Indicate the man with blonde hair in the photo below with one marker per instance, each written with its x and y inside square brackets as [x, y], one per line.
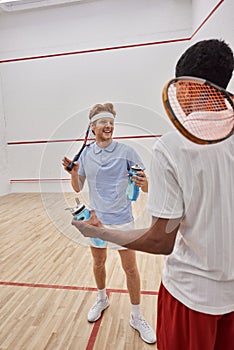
[105, 165]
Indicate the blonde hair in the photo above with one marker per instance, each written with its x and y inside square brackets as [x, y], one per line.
[105, 107]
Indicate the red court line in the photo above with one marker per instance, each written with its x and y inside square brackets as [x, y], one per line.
[38, 180]
[206, 19]
[46, 286]
[95, 330]
[97, 324]
[10, 143]
[55, 286]
[93, 50]
[115, 47]
[94, 334]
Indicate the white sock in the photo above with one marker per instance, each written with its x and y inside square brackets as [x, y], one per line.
[102, 294]
[135, 310]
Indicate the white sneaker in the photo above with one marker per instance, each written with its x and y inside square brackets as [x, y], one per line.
[146, 331]
[96, 310]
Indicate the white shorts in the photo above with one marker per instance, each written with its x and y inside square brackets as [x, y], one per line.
[124, 227]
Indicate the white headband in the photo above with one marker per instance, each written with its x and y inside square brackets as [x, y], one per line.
[101, 115]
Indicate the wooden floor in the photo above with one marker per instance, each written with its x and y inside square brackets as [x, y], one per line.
[47, 284]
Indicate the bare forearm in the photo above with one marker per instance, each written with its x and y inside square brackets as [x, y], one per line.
[117, 236]
[75, 182]
[153, 245]
[155, 240]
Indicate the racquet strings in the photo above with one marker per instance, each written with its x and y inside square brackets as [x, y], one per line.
[204, 111]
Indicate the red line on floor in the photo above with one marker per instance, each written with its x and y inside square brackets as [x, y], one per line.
[95, 329]
[55, 286]
[93, 334]
[46, 286]
[97, 324]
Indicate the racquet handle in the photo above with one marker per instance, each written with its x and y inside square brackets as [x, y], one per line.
[70, 166]
[77, 156]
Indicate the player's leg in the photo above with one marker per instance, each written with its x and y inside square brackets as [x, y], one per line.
[179, 327]
[128, 260]
[102, 302]
[99, 269]
[225, 332]
[137, 321]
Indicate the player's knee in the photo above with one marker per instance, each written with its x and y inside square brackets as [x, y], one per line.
[131, 270]
[99, 263]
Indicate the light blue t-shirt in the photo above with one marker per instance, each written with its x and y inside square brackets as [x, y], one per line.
[106, 171]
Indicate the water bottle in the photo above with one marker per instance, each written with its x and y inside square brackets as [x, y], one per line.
[132, 189]
[80, 212]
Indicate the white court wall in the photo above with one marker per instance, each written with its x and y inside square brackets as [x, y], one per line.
[49, 98]
[220, 25]
[4, 166]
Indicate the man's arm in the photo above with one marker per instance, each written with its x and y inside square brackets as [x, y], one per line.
[158, 239]
[77, 181]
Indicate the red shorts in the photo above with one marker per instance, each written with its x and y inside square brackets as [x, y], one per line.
[180, 328]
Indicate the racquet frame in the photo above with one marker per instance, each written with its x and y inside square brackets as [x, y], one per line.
[171, 114]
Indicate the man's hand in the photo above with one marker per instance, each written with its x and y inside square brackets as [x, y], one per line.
[86, 227]
[66, 161]
[141, 180]
[93, 220]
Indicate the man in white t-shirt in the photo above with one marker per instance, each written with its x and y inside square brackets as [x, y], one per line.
[191, 199]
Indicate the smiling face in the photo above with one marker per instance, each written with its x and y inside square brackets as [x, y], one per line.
[103, 129]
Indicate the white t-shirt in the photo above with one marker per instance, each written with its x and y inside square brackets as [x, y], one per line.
[196, 182]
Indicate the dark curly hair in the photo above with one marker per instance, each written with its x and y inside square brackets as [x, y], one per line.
[208, 59]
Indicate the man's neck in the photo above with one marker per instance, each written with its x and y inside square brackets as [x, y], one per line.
[103, 144]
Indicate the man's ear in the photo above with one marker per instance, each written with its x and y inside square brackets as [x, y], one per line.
[92, 127]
